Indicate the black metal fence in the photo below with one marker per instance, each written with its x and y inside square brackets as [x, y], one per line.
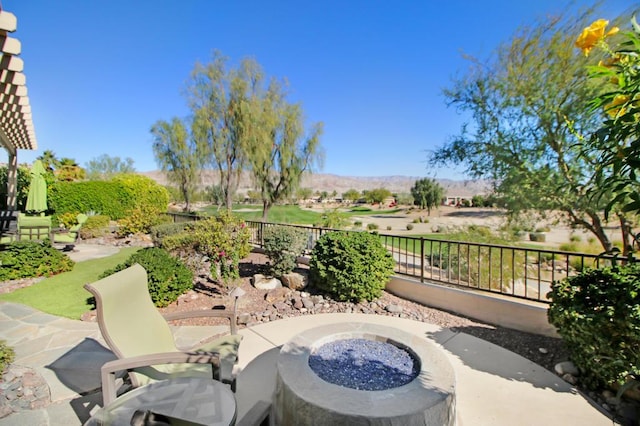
[521, 272]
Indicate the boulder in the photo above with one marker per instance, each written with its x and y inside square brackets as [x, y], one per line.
[294, 281]
[265, 283]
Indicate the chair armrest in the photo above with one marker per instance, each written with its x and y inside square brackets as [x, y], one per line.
[109, 369]
[230, 315]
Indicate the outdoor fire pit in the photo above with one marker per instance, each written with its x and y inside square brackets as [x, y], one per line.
[363, 374]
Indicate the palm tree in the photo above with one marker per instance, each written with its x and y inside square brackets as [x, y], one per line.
[49, 160]
[68, 170]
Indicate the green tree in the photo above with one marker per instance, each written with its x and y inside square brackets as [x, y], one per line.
[519, 104]
[177, 156]
[218, 98]
[377, 195]
[427, 193]
[304, 193]
[67, 169]
[105, 166]
[351, 195]
[279, 151]
[49, 159]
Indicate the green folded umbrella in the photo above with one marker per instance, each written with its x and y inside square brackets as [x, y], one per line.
[37, 197]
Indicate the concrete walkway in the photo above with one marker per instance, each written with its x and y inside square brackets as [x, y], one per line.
[494, 386]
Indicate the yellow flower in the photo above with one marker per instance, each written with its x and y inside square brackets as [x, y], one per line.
[614, 109]
[593, 34]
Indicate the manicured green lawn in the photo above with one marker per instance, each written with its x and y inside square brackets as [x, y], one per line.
[63, 294]
[293, 214]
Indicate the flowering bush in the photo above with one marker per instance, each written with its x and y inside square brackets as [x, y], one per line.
[618, 139]
[223, 239]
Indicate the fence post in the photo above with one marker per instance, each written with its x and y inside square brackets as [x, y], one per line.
[422, 259]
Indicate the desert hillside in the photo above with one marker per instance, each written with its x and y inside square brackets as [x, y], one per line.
[329, 183]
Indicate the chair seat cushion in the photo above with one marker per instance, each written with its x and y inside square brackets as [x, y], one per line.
[226, 346]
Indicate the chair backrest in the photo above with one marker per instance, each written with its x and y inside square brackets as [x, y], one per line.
[81, 218]
[34, 227]
[128, 319]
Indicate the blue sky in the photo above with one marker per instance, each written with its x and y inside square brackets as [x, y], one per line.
[100, 73]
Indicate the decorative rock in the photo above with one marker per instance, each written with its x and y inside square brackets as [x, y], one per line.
[279, 294]
[281, 306]
[543, 350]
[263, 283]
[244, 318]
[317, 299]
[307, 303]
[294, 281]
[566, 367]
[394, 309]
[297, 303]
[570, 379]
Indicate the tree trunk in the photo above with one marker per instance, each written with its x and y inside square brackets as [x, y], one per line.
[595, 226]
[627, 234]
[265, 210]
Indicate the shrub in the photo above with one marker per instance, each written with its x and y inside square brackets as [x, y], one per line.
[372, 226]
[7, 356]
[224, 239]
[28, 259]
[282, 245]
[67, 219]
[409, 226]
[357, 224]
[168, 277]
[539, 237]
[575, 238]
[109, 198]
[139, 220]
[597, 313]
[333, 219]
[417, 220]
[389, 228]
[351, 266]
[96, 226]
[543, 229]
[160, 232]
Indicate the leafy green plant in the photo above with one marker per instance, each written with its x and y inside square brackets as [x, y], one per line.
[96, 226]
[333, 219]
[7, 356]
[160, 232]
[67, 219]
[357, 224]
[539, 237]
[372, 226]
[351, 266]
[27, 259]
[283, 244]
[224, 239]
[597, 313]
[168, 277]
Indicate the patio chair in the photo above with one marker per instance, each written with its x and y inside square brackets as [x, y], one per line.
[70, 237]
[141, 338]
[34, 227]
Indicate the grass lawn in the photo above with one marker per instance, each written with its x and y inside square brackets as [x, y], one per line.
[63, 294]
[293, 214]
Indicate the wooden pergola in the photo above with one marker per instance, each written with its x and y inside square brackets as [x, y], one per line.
[16, 125]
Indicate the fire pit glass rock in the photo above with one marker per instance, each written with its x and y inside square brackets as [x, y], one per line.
[364, 364]
[303, 398]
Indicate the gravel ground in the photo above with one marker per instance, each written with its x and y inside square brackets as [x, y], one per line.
[262, 306]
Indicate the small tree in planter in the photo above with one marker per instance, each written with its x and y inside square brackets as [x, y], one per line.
[351, 265]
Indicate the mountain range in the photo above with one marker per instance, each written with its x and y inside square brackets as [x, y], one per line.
[340, 184]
